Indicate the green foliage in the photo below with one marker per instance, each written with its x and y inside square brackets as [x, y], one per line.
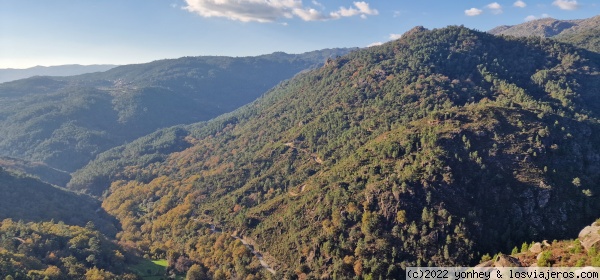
[421, 151]
[515, 251]
[588, 39]
[30, 200]
[58, 251]
[545, 259]
[583, 33]
[66, 121]
[524, 247]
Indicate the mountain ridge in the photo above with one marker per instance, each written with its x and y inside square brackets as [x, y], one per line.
[65, 121]
[439, 145]
[583, 33]
[11, 74]
[546, 27]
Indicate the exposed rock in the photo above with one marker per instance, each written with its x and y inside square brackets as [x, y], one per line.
[529, 203]
[506, 261]
[486, 264]
[543, 198]
[590, 236]
[536, 248]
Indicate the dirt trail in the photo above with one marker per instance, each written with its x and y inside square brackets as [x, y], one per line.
[257, 254]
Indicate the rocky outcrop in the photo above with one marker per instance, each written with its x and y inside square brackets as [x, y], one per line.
[501, 260]
[590, 236]
[536, 248]
[506, 261]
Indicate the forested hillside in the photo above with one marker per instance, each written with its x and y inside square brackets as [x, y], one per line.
[39, 170]
[30, 200]
[428, 150]
[66, 121]
[47, 250]
[588, 39]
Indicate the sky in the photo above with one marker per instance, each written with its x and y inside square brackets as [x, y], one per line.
[57, 32]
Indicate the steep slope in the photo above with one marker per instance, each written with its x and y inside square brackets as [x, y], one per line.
[423, 151]
[30, 200]
[66, 121]
[7, 75]
[557, 253]
[38, 169]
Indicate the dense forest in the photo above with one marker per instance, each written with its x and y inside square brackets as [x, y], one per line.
[66, 121]
[30, 200]
[47, 250]
[443, 148]
[429, 150]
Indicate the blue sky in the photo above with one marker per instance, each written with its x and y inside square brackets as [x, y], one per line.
[54, 32]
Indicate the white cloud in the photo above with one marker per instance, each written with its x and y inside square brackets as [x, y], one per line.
[520, 4]
[363, 10]
[545, 15]
[395, 36]
[375, 44]
[473, 12]
[495, 7]
[272, 10]
[530, 18]
[566, 4]
[309, 14]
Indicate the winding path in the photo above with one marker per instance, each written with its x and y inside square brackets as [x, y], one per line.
[257, 254]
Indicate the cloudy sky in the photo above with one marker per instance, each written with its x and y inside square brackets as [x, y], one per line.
[54, 32]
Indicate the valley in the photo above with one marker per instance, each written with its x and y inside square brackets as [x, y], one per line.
[444, 147]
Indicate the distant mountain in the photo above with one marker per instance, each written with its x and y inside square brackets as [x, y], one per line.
[547, 27]
[424, 151]
[66, 121]
[8, 74]
[583, 33]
